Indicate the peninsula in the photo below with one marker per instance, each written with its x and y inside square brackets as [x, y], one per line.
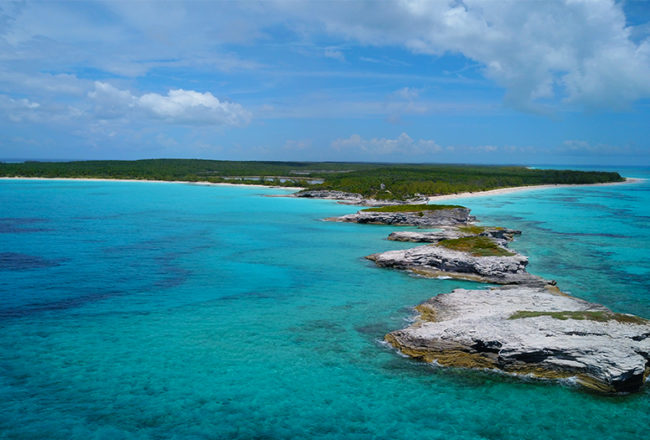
[527, 326]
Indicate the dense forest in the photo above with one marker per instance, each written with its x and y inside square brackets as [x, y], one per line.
[379, 180]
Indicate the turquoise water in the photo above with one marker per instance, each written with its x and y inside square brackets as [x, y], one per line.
[144, 310]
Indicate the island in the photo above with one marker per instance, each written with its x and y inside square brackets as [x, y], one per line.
[526, 327]
[362, 183]
[410, 215]
[531, 331]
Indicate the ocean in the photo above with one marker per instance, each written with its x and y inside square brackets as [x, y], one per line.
[132, 310]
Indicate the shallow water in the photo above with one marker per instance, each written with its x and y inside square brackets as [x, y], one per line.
[142, 310]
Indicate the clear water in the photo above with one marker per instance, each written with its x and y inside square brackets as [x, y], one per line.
[143, 310]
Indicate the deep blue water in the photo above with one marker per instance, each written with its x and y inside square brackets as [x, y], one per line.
[145, 310]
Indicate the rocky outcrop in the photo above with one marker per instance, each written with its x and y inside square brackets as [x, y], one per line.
[526, 327]
[347, 198]
[536, 331]
[438, 261]
[424, 218]
[501, 235]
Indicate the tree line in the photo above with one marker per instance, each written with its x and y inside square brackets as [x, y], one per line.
[378, 180]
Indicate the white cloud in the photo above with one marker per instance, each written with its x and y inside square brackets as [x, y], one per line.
[178, 106]
[57, 36]
[111, 102]
[334, 54]
[578, 51]
[24, 110]
[408, 93]
[575, 147]
[484, 148]
[403, 101]
[194, 107]
[42, 83]
[18, 110]
[403, 144]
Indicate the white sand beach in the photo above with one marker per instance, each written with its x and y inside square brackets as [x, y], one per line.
[492, 192]
[84, 179]
[496, 192]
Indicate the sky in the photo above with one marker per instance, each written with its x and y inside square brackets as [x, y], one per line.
[459, 81]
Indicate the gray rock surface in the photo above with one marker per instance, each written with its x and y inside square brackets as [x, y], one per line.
[427, 218]
[347, 198]
[437, 261]
[474, 329]
[528, 327]
[500, 235]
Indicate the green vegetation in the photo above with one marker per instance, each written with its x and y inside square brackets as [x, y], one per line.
[600, 316]
[412, 208]
[472, 229]
[381, 181]
[477, 246]
[407, 181]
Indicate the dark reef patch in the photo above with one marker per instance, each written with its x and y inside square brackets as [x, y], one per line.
[57, 305]
[18, 261]
[14, 225]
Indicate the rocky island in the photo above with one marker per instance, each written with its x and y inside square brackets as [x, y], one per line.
[410, 215]
[492, 264]
[528, 326]
[499, 234]
[536, 331]
[348, 198]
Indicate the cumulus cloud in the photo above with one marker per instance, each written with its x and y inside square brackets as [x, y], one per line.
[403, 144]
[576, 51]
[194, 107]
[178, 106]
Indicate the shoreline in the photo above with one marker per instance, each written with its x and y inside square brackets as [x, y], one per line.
[514, 189]
[491, 192]
[96, 179]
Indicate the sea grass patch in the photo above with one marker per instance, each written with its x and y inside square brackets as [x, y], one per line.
[473, 229]
[412, 208]
[477, 246]
[599, 316]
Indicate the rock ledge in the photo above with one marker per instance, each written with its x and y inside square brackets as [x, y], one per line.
[347, 198]
[436, 261]
[425, 218]
[603, 351]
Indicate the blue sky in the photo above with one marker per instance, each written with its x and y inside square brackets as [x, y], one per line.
[472, 81]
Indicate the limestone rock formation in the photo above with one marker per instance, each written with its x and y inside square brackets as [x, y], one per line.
[436, 261]
[501, 235]
[425, 218]
[347, 198]
[536, 331]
